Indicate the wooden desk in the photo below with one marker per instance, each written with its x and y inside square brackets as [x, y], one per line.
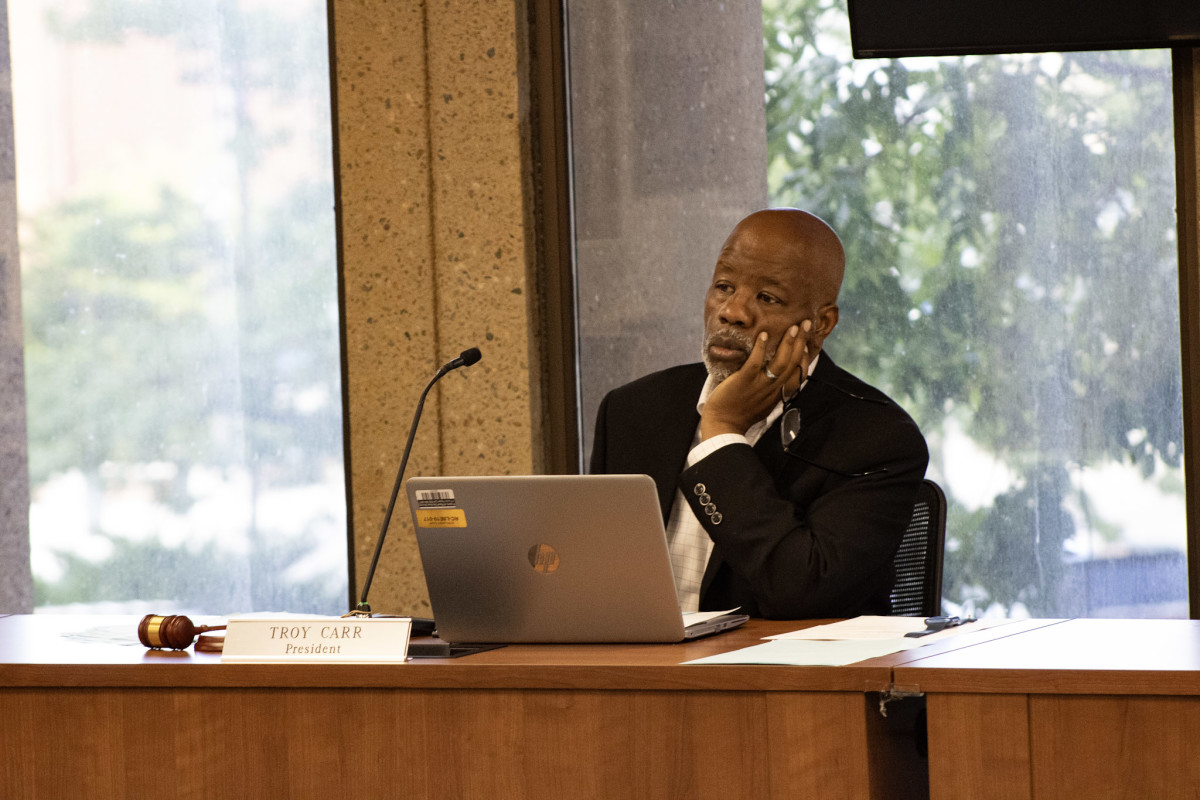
[598, 721]
[1079, 709]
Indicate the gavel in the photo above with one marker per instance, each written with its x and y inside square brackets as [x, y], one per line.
[177, 633]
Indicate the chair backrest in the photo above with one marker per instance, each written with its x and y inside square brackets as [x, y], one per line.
[918, 588]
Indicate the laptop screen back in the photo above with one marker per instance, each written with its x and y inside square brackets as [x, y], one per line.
[545, 558]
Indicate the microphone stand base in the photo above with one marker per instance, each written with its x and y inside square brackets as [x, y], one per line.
[436, 648]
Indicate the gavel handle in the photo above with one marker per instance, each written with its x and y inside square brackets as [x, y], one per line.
[206, 628]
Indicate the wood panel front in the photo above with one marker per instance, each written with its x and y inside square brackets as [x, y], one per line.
[1062, 747]
[129, 742]
[979, 747]
[1115, 748]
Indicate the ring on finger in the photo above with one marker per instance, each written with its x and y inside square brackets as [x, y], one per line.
[770, 375]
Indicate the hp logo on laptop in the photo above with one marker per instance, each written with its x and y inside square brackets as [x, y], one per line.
[544, 558]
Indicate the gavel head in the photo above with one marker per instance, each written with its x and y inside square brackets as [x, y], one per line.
[175, 632]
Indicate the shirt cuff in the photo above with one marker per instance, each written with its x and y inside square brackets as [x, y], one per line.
[710, 446]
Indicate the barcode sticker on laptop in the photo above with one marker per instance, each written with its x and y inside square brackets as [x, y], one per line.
[435, 498]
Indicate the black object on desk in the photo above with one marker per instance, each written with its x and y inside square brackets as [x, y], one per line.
[935, 624]
[436, 648]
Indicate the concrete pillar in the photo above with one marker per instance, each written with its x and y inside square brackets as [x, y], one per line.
[432, 137]
[16, 580]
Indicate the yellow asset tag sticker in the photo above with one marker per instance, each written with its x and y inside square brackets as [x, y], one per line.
[441, 518]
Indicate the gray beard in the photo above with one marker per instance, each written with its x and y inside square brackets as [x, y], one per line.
[718, 372]
[721, 371]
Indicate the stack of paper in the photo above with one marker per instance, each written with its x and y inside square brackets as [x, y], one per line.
[838, 643]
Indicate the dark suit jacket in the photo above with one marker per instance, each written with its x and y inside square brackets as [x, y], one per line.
[802, 534]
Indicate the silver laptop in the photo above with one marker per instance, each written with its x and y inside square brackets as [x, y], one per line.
[549, 558]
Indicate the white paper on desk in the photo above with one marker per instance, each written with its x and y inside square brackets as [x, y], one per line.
[884, 629]
[807, 653]
[691, 618]
[863, 628]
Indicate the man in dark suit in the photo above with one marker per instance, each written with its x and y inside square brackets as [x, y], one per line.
[786, 482]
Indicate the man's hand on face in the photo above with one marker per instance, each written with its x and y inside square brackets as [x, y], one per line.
[749, 394]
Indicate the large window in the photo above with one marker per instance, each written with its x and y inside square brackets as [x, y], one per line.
[1010, 223]
[1012, 277]
[178, 271]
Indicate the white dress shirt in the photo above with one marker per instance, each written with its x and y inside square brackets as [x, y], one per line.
[687, 541]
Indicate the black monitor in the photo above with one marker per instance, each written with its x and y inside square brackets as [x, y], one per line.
[894, 28]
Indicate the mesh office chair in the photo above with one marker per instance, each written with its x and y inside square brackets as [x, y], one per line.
[918, 588]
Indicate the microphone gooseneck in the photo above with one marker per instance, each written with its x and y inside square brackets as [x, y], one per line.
[465, 359]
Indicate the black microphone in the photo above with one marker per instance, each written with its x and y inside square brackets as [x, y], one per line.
[465, 359]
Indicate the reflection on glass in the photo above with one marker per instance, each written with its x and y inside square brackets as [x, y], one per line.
[1012, 282]
[179, 297]
[1012, 265]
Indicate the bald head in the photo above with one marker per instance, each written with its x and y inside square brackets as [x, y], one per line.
[779, 267]
[802, 242]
